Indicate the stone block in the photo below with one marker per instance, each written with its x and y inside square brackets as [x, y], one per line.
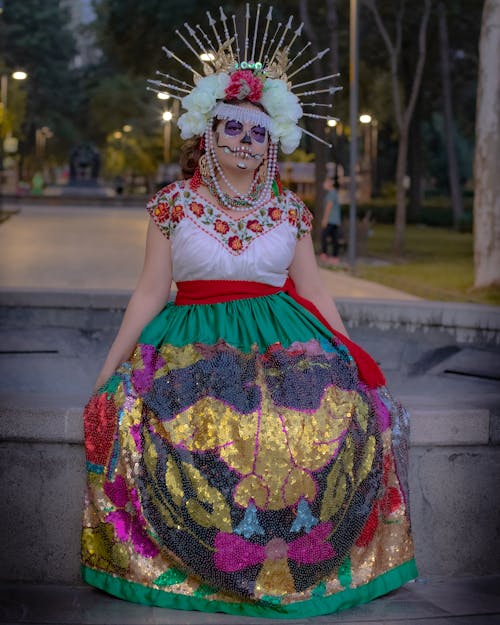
[445, 426]
[455, 510]
[42, 503]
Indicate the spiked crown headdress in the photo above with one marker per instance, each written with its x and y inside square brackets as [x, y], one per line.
[259, 73]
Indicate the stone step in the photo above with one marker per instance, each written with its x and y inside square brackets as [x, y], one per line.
[454, 475]
[434, 601]
[41, 419]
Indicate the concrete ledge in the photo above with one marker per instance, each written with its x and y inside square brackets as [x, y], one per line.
[37, 420]
[467, 323]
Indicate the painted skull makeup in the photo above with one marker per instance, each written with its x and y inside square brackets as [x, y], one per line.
[233, 128]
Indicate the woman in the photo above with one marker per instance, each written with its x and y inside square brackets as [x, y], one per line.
[243, 454]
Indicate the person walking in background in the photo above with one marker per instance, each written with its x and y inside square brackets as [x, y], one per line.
[330, 223]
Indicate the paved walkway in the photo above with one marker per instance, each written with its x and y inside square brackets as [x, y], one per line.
[47, 247]
[473, 601]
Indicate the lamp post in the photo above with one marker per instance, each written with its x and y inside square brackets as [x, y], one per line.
[167, 118]
[370, 125]
[353, 120]
[4, 90]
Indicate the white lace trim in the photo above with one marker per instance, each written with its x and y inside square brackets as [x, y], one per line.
[242, 114]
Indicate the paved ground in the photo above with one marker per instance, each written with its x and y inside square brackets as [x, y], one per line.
[470, 601]
[102, 248]
[90, 248]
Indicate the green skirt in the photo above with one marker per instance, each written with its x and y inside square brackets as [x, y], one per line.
[237, 462]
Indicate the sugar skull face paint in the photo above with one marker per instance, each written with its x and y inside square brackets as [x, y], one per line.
[234, 128]
[242, 138]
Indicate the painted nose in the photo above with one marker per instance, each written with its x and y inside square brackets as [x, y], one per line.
[246, 138]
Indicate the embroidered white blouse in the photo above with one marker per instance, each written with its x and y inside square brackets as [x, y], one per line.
[207, 244]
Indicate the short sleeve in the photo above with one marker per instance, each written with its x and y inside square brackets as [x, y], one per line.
[301, 213]
[166, 209]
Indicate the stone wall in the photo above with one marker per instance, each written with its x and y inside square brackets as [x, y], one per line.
[454, 456]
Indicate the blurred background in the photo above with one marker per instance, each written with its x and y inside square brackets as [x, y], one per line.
[78, 122]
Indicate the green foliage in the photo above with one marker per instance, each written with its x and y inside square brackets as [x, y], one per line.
[132, 33]
[438, 264]
[435, 211]
[35, 36]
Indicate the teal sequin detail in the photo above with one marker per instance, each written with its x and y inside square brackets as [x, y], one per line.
[345, 572]
[250, 524]
[170, 577]
[204, 590]
[304, 520]
[319, 590]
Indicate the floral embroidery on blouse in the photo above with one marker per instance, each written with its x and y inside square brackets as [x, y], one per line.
[176, 202]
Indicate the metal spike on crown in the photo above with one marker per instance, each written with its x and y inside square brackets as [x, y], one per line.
[221, 58]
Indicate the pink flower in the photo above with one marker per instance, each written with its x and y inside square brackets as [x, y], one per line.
[243, 85]
[233, 553]
[127, 519]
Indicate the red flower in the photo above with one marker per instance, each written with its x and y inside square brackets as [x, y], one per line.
[369, 528]
[161, 211]
[100, 421]
[235, 243]
[177, 213]
[274, 213]
[390, 502]
[197, 208]
[221, 226]
[243, 85]
[254, 225]
[292, 216]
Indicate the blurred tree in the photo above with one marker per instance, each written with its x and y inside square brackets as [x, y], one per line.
[35, 36]
[449, 118]
[132, 33]
[330, 65]
[487, 197]
[403, 104]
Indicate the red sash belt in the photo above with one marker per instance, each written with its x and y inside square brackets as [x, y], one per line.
[219, 291]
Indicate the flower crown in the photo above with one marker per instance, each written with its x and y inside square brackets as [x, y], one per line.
[261, 78]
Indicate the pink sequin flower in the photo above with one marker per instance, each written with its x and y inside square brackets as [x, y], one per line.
[243, 85]
[127, 519]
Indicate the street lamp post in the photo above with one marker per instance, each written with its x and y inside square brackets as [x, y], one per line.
[167, 131]
[353, 120]
[4, 90]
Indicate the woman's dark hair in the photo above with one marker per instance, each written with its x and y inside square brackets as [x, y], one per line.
[190, 155]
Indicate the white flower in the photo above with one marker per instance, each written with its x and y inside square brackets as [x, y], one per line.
[201, 101]
[291, 141]
[215, 84]
[192, 124]
[273, 96]
[287, 133]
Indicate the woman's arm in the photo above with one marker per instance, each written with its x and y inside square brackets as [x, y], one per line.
[304, 273]
[149, 297]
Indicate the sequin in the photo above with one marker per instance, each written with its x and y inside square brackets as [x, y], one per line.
[266, 476]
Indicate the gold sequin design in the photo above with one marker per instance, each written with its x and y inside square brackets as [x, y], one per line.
[276, 468]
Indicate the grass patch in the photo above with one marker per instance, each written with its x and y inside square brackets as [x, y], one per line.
[437, 264]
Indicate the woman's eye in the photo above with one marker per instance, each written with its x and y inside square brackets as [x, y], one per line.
[233, 128]
[259, 134]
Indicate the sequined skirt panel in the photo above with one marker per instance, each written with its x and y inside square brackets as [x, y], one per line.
[236, 463]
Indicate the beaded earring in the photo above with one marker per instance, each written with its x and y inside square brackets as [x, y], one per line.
[196, 179]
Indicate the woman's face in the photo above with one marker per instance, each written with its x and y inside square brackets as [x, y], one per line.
[240, 146]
